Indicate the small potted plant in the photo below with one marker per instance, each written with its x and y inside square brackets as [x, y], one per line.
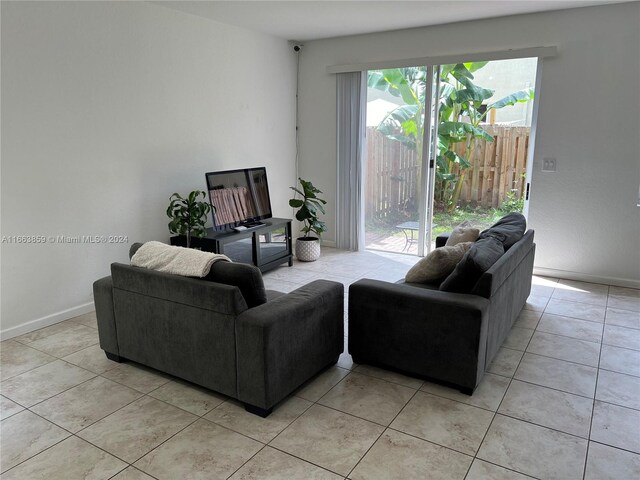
[309, 207]
[188, 215]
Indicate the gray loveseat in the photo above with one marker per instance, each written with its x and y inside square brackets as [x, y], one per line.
[443, 336]
[224, 332]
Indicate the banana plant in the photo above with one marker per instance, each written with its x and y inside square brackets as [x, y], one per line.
[460, 114]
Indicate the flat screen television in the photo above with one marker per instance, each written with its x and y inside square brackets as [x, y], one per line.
[239, 198]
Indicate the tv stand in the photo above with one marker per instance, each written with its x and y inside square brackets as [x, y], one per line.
[266, 246]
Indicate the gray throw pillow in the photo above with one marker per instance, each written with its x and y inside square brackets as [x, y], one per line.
[480, 257]
[511, 226]
[437, 264]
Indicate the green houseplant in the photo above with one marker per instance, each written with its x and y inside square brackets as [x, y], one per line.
[188, 215]
[309, 206]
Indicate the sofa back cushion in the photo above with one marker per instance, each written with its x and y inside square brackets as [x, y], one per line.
[437, 264]
[247, 278]
[480, 257]
[511, 226]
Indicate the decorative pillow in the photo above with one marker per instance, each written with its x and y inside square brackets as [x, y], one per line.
[512, 226]
[463, 233]
[247, 278]
[482, 254]
[437, 264]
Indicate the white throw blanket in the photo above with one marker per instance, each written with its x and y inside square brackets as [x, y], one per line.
[177, 260]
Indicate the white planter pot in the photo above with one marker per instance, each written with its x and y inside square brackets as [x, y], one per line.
[307, 249]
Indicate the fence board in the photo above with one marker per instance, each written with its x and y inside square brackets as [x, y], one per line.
[392, 170]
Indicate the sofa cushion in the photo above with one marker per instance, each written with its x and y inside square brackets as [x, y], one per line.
[464, 232]
[244, 276]
[512, 226]
[437, 264]
[482, 254]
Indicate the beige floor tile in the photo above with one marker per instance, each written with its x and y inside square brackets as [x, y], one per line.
[85, 404]
[399, 456]
[389, 376]
[45, 332]
[565, 348]
[137, 377]
[608, 463]
[618, 388]
[536, 303]
[67, 342]
[621, 337]
[534, 450]
[272, 464]
[88, 320]
[91, 358]
[368, 397]
[8, 408]
[16, 358]
[616, 426]
[71, 459]
[131, 473]
[43, 382]
[481, 470]
[488, 394]
[592, 293]
[528, 319]
[505, 362]
[623, 318]
[133, 431]
[330, 439]
[621, 360]
[203, 450]
[231, 414]
[188, 396]
[553, 373]
[445, 422]
[518, 338]
[571, 327]
[581, 311]
[542, 290]
[624, 302]
[314, 389]
[624, 291]
[549, 408]
[25, 435]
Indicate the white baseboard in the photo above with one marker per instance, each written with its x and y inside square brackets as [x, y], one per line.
[584, 277]
[46, 321]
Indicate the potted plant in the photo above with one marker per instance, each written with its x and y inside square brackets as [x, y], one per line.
[188, 215]
[309, 207]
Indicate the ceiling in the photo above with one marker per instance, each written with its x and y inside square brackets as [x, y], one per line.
[312, 19]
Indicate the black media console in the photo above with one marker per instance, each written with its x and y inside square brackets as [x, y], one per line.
[266, 246]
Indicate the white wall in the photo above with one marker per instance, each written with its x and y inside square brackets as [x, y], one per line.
[107, 109]
[585, 215]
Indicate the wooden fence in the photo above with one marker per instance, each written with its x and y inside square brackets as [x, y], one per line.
[393, 171]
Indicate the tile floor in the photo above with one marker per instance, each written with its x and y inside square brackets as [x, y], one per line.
[561, 400]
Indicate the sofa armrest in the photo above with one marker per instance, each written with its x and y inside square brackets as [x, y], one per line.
[103, 300]
[282, 343]
[426, 332]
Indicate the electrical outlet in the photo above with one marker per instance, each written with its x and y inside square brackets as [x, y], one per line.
[549, 164]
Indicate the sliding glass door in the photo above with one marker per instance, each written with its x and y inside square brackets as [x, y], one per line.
[444, 143]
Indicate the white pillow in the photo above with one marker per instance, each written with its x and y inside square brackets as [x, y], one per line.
[463, 233]
[438, 264]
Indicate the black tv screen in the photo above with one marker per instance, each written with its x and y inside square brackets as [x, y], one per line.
[239, 197]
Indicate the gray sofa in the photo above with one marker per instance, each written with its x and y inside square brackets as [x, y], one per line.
[224, 332]
[443, 336]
